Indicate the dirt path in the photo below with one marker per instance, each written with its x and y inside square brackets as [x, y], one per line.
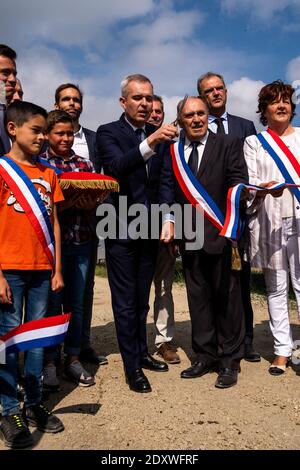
[261, 412]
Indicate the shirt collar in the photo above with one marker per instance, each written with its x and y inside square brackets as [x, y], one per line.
[134, 127]
[202, 141]
[79, 133]
[49, 154]
[211, 118]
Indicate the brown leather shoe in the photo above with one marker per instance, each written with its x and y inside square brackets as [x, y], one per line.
[168, 352]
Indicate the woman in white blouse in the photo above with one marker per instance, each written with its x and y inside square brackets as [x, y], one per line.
[275, 218]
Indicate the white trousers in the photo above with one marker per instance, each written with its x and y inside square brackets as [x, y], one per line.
[163, 303]
[277, 285]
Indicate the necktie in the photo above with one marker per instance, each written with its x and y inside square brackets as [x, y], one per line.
[220, 126]
[193, 158]
[140, 134]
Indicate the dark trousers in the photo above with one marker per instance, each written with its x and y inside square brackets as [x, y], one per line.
[130, 268]
[215, 304]
[89, 296]
[246, 299]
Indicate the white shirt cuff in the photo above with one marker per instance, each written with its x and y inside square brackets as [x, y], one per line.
[168, 218]
[145, 150]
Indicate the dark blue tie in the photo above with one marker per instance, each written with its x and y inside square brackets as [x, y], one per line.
[220, 125]
[140, 134]
[193, 158]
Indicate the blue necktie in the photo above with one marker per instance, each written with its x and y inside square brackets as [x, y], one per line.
[140, 134]
[220, 126]
[193, 158]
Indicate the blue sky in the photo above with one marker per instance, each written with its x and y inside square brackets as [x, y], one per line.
[96, 42]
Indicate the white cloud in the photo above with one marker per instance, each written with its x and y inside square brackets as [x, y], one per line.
[41, 70]
[293, 69]
[67, 22]
[242, 99]
[266, 10]
[94, 44]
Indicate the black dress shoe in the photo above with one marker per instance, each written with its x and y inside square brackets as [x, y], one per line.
[197, 370]
[137, 381]
[227, 378]
[250, 354]
[148, 362]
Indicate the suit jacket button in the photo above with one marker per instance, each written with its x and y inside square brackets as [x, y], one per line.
[297, 207]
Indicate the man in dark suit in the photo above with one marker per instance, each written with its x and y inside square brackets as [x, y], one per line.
[212, 87]
[8, 73]
[128, 150]
[213, 287]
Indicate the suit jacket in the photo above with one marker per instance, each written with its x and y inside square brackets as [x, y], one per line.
[90, 137]
[222, 166]
[4, 139]
[240, 127]
[119, 154]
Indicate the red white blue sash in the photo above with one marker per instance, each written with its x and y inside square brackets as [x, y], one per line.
[231, 228]
[30, 200]
[286, 162]
[193, 190]
[288, 166]
[34, 334]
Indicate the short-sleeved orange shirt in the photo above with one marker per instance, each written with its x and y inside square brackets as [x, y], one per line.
[19, 245]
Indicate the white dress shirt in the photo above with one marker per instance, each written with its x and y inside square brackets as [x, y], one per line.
[80, 146]
[188, 146]
[213, 125]
[145, 150]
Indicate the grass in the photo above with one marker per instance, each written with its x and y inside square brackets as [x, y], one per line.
[257, 280]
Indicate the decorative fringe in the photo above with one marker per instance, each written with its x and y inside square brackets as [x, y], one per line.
[89, 184]
[236, 262]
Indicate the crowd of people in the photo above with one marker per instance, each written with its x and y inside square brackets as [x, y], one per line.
[193, 161]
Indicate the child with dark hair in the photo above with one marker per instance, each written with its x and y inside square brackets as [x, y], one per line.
[29, 266]
[75, 216]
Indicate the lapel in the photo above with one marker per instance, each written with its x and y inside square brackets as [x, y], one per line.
[207, 157]
[231, 124]
[128, 130]
[89, 141]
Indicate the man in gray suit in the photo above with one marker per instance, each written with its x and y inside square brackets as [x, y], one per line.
[212, 88]
[8, 73]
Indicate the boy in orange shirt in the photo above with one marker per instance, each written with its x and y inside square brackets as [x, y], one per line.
[27, 267]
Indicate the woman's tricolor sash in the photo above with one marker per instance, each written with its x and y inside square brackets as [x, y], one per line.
[286, 162]
[229, 226]
[34, 334]
[288, 166]
[30, 201]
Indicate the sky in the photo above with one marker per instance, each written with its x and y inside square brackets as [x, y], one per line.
[95, 43]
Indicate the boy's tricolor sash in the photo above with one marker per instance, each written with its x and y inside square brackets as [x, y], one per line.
[193, 190]
[34, 334]
[30, 200]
